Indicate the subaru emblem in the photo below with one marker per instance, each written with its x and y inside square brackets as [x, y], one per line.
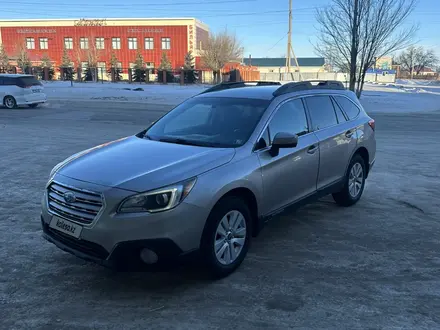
[69, 197]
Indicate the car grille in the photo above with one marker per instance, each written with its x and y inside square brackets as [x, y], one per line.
[83, 209]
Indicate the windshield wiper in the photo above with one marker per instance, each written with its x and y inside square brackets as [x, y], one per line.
[186, 142]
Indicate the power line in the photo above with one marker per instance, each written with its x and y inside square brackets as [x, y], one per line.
[276, 43]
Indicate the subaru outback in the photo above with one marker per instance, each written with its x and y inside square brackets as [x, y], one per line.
[207, 175]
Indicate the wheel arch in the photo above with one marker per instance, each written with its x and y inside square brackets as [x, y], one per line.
[363, 152]
[249, 197]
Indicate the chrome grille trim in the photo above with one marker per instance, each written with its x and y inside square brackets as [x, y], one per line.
[84, 210]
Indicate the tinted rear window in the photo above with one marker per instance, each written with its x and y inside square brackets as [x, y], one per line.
[27, 81]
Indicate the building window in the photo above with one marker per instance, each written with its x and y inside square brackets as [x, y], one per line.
[132, 43]
[149, 65]
[84, 43]
[100, 43]
[166, 43]
[44, 43]
[30, 43]
[68, 43]
[116, 43]
[149, 43]
[84, 65]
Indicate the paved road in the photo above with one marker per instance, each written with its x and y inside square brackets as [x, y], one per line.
[373, 266]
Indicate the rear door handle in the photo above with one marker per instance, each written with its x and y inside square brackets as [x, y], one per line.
[312, 149]
[349, 133]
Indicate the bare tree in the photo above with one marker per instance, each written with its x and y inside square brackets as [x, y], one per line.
[4, 60]
[407, 59]
[355, 32]
[415, 59]
[220, 49]
[426, 59]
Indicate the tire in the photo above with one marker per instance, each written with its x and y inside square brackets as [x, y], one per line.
[226, 209]
[354, 183]
[33, 105]
[9, 102]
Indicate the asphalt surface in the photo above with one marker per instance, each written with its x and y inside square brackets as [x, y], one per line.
[372, 266]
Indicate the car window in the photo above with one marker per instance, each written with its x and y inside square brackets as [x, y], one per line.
[27, 81]
[349, 107]
[289, 118]
[339, 113]
[321, 111]
[210, 121]
[1, 81]
[264, 140]
[8, 81]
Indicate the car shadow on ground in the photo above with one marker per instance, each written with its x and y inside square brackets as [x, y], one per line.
[297, 226]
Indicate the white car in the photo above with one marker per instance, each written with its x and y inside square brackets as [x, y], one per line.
[21, 89]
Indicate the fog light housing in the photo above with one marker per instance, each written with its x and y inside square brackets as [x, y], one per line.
[148, 256]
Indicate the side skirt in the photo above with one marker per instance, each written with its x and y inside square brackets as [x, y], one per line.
[330, 189]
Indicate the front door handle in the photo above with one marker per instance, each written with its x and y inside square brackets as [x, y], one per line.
[349, 133]
[312, 149]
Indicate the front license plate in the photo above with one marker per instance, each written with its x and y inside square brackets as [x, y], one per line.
[35, 90]
[65, 226]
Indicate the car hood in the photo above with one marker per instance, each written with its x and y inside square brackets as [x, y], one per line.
[140, 165]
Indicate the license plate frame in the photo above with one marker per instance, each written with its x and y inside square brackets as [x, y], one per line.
[66, 227]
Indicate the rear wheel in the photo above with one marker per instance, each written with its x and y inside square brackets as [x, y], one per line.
[226, 236]
[33, 105]
[354, 183]
[9, 102]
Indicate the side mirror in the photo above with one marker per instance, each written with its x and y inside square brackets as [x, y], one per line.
[283, 140]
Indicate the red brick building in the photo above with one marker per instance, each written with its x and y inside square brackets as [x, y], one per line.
[121, 37]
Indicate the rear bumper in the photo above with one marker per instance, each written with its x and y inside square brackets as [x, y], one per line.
[124, 256]
[31, 98]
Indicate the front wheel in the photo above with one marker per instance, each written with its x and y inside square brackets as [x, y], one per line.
[9, 102]
[354, 183]
[33, 105]
[226, 236]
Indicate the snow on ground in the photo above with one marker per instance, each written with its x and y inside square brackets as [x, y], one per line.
[122, 92]
[392, 98]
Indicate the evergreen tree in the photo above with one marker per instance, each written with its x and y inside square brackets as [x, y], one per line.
[66, 64]
[23, 60]
[188, 69]
[46, 63]
[140, 72]
[114, 65]
[4, 60]
[165, 65]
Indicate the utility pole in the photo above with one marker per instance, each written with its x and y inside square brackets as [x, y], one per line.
[289, 38]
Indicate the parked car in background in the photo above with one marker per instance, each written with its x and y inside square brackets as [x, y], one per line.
[20, 89]
[207, 175]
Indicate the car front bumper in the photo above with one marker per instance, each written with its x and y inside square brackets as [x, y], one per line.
[115, 240]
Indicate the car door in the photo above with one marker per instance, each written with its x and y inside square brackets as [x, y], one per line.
[292, 174]
[337, 139]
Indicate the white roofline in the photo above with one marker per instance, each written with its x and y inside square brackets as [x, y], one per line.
[98, 18]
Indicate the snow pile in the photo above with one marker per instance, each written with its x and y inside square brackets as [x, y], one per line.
[121, 92]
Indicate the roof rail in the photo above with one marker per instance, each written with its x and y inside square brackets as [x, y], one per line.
[239, 84]
[308, 85]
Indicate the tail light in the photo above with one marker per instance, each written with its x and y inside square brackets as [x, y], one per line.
[372, 124]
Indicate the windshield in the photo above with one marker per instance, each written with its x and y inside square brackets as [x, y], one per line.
[210, 121]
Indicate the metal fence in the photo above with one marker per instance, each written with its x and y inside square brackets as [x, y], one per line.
[130, 75]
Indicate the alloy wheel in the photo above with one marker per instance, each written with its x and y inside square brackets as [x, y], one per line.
[355, 180]
[230, 237]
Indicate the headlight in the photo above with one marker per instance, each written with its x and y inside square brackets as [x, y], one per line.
[157, 200]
